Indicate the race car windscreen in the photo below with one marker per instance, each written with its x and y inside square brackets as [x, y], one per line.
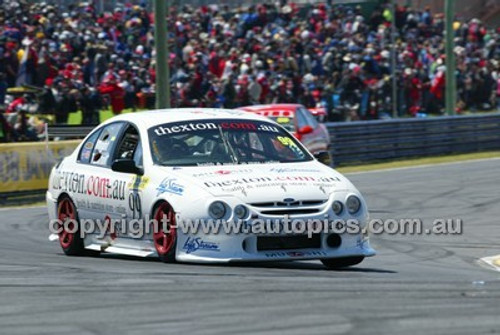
[212, 142]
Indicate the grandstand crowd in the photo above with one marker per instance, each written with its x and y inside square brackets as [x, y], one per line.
[322, 55]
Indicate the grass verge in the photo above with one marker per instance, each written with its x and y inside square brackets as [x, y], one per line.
[419, 162]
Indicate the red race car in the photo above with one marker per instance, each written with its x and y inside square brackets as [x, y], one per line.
[301, 123]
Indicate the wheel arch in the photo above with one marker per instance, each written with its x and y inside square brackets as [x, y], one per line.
[63, 195]
[66, 195]
[156, 203]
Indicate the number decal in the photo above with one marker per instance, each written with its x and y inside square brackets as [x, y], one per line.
[134, 204]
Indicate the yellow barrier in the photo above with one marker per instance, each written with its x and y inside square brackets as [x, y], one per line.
[26, 166]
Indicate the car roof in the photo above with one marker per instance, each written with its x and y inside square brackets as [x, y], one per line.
[258, 108]
[152, 118]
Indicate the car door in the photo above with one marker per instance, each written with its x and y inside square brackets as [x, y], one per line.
[130, 148]
[106, 197]
[133, 234]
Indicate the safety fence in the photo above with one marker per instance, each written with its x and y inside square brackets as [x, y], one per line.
[26, 166]
[66, 132]
[362, 141]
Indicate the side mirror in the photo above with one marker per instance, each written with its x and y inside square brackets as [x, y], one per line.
[305, 130]
[324, 157]
[126, 166]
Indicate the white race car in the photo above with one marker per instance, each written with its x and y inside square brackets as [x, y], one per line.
[224, 185]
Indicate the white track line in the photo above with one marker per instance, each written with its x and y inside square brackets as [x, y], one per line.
[491, 261]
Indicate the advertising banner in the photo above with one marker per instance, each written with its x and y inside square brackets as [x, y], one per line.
[26, 166]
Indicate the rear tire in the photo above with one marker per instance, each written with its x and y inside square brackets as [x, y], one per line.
[71, 242]
[338, 263]
[165, 241]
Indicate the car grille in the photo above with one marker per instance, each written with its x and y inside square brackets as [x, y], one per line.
[295, 203]
[265, 243]
[279, 208]
[297, 211]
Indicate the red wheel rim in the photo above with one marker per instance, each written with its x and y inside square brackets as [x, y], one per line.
[164, 241]
[66, 211]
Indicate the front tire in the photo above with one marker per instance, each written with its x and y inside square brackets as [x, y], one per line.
[165, 235]
[338, 263]
[71, 242]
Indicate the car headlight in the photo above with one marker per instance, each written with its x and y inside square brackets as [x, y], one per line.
[337, 207]
[217, 210]
[240, 211]
[353, 204]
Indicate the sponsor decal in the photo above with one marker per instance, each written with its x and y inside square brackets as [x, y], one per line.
[322, 188]
[222, 172]
[289, 143]
[120, 209]
[181, 128]
[105, 188]
[279, 254]
[308, 178]
[100, 206]
[194, 244]
[97, 205]
[169, 185]
[265, 180]
[69, 182]
[282, 120]
[98, 187]
[236, 189]
[237, 182]
[286, 141]
[184, 128]
[245, 125]
[138, 183]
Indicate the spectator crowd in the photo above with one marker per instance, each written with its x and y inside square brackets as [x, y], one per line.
[320, 55]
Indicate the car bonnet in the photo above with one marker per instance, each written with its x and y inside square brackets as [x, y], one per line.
[265, 182]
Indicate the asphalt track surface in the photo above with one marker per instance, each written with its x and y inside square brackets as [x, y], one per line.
[415, 285]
